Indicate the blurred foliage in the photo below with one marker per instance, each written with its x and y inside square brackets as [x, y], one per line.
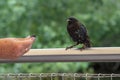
[47, 20]
[44, 67]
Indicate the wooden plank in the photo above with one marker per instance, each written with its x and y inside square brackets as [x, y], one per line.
[96, 54]
[62, 51]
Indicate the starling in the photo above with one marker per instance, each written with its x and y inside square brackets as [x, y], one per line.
[78, 33]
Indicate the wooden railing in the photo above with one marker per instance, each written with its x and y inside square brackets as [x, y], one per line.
[95, 54]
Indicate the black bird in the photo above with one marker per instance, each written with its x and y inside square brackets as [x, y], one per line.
[78, 33]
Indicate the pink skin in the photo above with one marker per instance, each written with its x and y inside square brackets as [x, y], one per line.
[12, 48]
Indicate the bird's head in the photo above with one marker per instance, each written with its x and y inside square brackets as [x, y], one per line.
[72, 20]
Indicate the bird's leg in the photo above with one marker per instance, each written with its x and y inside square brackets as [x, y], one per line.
[71, 46]
[83, 47]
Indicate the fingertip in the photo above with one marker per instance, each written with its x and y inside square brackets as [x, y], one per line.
[33, 35]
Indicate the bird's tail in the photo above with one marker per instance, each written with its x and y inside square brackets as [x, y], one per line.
[88, 42]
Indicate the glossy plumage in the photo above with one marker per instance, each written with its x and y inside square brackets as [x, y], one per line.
[78, 33]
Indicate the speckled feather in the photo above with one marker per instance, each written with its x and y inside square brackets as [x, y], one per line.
[78, 32]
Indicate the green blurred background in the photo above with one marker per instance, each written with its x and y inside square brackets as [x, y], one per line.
[47, 20]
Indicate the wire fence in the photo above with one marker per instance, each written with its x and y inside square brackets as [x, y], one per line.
[59, 76]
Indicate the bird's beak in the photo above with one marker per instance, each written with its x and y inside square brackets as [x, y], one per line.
[68, 20]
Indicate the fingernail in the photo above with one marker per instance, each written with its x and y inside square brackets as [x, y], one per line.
[33, 35]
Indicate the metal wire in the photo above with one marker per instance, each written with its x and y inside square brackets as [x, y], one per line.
[59, 76]
[112, 76]
[99, 76]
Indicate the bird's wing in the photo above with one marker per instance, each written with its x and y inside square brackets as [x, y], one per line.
[83, 29]
[82, 32]
[72, 34]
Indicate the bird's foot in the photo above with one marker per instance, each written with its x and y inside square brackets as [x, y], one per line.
[68, 48]
[82, 48]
